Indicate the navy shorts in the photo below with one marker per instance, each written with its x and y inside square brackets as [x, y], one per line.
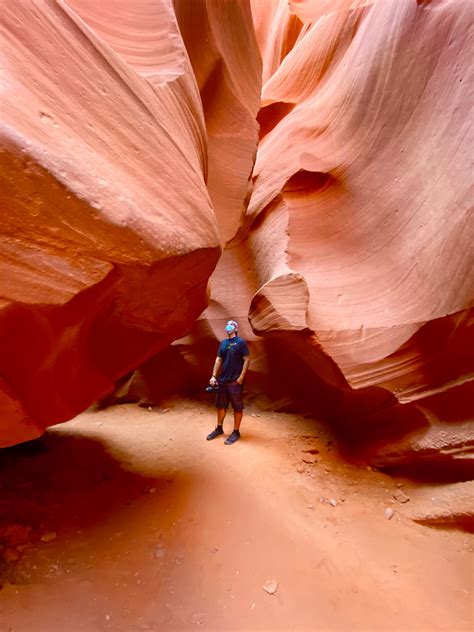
[230, 392]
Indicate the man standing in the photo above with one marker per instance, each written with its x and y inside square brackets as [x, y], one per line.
[231, 366]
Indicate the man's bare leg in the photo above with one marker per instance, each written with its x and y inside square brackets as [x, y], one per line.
[237, 419]
[235, 436]
[221, 412]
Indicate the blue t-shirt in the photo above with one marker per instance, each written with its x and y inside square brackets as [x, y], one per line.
[232, 351]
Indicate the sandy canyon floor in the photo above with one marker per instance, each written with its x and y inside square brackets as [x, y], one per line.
[138, 523]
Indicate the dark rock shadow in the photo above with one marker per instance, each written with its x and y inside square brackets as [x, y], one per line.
[55, 487]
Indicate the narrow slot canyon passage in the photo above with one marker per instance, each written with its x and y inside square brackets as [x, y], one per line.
[286, 184]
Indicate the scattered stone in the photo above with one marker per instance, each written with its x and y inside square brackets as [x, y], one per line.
[15, 534]
[179, 559]
[255, 415]
[389, 513]
[310, 506]
[252, 606]
[199, 618]
[310, 458]
[48, 536]
[333, 502]
[152, 490]
[159, 552]
[311, 451]
[401, 496]
[454, 505]
[167, 410]
[300, 469]
[150, 409]
[270, 586]
[11, 555]
[342, 499]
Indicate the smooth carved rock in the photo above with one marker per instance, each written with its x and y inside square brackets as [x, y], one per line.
[445, 504]
[108, 233]
[359, 218]
[347, 257]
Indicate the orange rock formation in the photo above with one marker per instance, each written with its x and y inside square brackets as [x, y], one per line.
[335, 141]
[109, 236]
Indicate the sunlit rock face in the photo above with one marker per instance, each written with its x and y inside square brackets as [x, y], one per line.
[334, 138]
[108, 231]
[363, 176]
[352, 262]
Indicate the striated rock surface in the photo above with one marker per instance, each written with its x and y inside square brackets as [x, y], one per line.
[353, 261]
[108, 232]
[360, 219]
[336, 144]
[444, 505]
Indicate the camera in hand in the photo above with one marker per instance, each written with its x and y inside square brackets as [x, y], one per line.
[212, 389]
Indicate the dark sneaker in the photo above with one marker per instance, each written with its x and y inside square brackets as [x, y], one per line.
[215, 433]
[235, 436]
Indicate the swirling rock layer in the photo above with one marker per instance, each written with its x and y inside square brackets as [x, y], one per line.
[353, 260]
[108, 233]
[335, 141]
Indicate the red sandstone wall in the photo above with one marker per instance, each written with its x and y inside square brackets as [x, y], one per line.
[335, 141]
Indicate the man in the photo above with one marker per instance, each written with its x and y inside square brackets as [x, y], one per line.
[230, 366]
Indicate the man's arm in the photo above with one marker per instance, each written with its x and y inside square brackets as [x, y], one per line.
[215, 371]
[240, 379]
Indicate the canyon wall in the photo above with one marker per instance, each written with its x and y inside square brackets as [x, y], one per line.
[108, 231]
[325, 146]
[350, 270]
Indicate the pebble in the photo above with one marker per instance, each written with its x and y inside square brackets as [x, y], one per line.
[311, 451]
[150, 408]
[401, 496]
[11, 555]
[49, 536]
[270, 586]
[300, 469]
[159, 552]
[310, 458]
[15, 534]
[333, 502]
[389, 513]
[167, 410]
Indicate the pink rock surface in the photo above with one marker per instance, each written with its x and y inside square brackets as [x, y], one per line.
[370, 171]
[336, 144]
[109, 235]
[354, 258]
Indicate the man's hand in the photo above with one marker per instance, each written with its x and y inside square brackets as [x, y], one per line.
[213, 381]
[240, 380]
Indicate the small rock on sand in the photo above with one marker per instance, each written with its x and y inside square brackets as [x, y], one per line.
[333, 502]
[310, 458]
[48, 536]
[300, 469]
[11, 555]
[270, 586]
[401, 496]
[389, 513]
